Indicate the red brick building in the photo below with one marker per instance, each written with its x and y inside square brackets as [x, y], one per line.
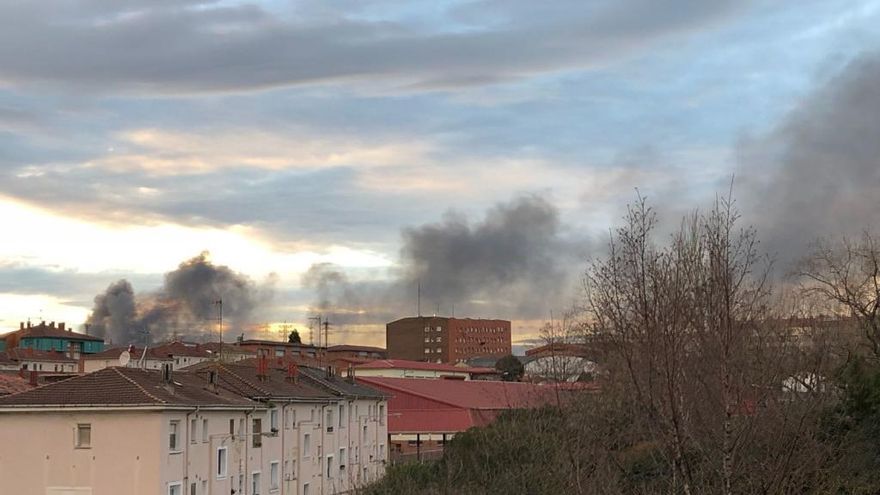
[446, 340]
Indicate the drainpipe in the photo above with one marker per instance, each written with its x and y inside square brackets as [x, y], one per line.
[186, 448]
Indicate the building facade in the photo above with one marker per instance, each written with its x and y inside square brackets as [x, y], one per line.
[51, 337]
[447, 340]
[215, 429]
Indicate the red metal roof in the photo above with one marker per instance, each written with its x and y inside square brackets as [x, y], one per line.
[472, 394]
[354, 348]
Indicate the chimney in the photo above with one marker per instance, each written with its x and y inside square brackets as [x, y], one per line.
[61, 326]
[33, 379]
[262, 367]
[21, 325]
[292, 372]
[329, 371]
[213, 379]
[52, 325]
[350, 373]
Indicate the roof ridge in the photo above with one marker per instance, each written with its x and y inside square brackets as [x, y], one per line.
[138, 385]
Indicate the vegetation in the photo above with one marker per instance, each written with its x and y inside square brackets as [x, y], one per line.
[511, 368]
[294, 337]
[710, 382]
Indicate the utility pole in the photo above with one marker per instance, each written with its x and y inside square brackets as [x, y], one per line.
[219, 303]
[326, 332]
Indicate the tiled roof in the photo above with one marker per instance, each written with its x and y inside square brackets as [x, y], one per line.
[277, 343]
[45, 331]
[341, 386]
[6, 359]
[472, 394]
[29, 354]
[245, 380]
[127, 387]
[12, 383]
[402, 364]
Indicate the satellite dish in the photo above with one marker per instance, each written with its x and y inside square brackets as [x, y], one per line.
[124, 358]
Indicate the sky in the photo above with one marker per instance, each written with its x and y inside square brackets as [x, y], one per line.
[340, 157]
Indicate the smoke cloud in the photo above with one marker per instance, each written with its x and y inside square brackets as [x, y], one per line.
[183, 306]
[517, 263]
[823, 163]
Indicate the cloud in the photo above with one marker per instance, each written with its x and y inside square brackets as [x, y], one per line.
[170, 47]
[818, 172]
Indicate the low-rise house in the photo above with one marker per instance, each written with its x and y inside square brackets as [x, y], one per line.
[30, 359]
[302, 353]
[51, 337]
[401, 368]
[212, 429]
[136, 358]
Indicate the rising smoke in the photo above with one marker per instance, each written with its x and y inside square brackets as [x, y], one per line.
[517, 263]
[824, 166]
[183, 306]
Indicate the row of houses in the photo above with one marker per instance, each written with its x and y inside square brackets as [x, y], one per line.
[214, 428]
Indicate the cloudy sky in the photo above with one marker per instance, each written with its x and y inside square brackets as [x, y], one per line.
[334, 155]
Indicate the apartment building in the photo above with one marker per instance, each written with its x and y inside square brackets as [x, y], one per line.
[217, 429]
[446, 340]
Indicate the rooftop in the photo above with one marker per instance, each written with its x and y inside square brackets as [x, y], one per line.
[355, 348]
[29, 354]
[474, 394]
[403, 364]
[127, 387]
[44, 330]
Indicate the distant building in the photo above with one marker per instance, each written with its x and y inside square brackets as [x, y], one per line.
[49, 337]
[302, 353]
[446, 340]
[216, 429]
[400, 368]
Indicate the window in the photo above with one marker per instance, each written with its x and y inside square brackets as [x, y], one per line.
[84, 436]
[342, 459]
[341, 415]
[241, 431]
[221, 462]
[381, 451]
[255, 484]
[204, 430]
[427, 351]
[306, 489]
[175, 489]
[274, 476]
[427, 339]
[365, 433]
[382, 414]
[439, 339]
[174, 436]
[329, 419]
[231, 427]
[307, 445]
[273, 419]
[193, 430]
[330, 466]
[279, 352]
[192, 488]
[427, 329]
[439, 350]
[439, 328]
[287, 419]
[258, 433]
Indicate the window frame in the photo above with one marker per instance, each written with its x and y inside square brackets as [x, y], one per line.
[274, 476]
[256, 482]
[77, 439]
[174, 436]
[175, 484]
[222, 475]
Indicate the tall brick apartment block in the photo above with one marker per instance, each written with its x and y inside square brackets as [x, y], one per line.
[446, 340]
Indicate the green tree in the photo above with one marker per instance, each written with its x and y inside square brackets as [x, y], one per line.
[294, 337]
[511, 368]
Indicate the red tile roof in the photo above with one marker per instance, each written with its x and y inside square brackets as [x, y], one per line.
[45, 331]
[29, 354]
[402, 364]
[126, 387]
[12, 383]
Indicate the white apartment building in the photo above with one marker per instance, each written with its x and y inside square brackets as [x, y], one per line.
[214, 430]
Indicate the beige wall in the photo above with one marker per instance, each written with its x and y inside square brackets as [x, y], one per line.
[37, 452]
[130, 451]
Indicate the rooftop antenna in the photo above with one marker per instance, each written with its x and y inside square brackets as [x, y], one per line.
[219, 303]
[419, 304]
[312, 329]
[326, 333]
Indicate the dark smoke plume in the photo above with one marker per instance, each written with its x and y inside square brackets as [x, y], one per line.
[823, 163]
[183, 306]
[516, 263]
